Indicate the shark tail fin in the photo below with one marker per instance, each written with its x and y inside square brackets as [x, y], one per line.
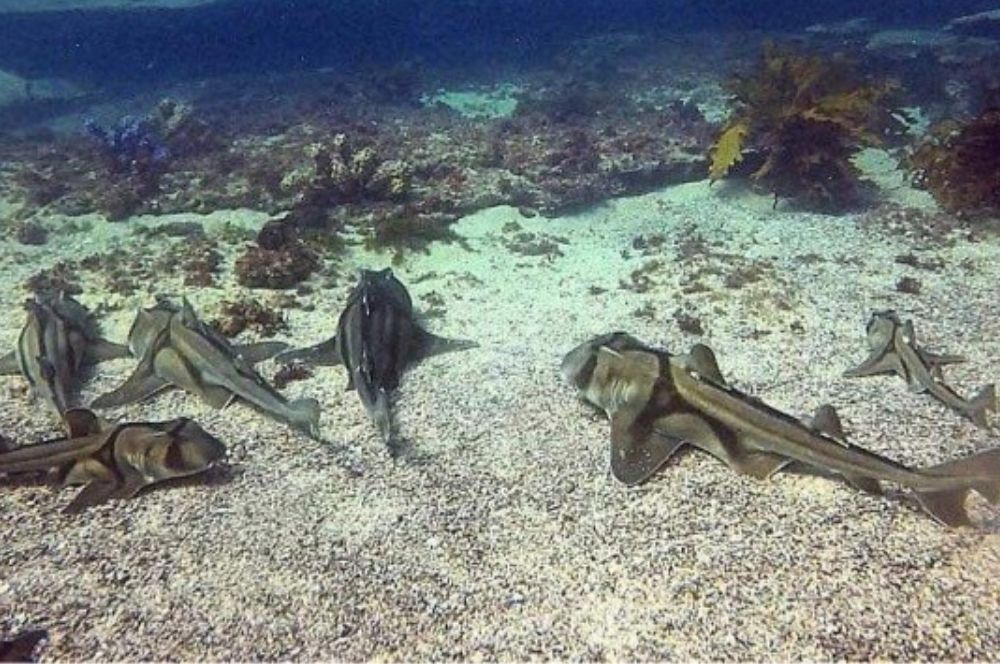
[985, 400]
[381, 413]
[304, 414]
[976, 472]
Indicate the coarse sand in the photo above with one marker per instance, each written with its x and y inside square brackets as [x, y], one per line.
[501, 534]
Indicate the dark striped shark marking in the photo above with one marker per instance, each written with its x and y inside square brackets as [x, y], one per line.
[894, 349]
[116, 461]
[659, 402]
[58, 339]
[377, 339]
[176, 349]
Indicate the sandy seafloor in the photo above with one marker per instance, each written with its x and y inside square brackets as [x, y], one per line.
[502, 535]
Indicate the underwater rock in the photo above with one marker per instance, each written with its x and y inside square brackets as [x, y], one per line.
[235, 317]
[276, 268]
[981, 24]
[31, 232]
[13, 88]
[276, 234]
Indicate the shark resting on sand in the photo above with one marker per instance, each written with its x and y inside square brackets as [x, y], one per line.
[377, 338]
[116, 460]
[658, 402]
[57, 340]
[894, 349]
[176, 349]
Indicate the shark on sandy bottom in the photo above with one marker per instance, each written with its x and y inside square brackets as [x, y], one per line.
[116, 461]
[378, 337]
[58, 339]
[659, 402]
[175, 348]
[894, 349]
[21, 646]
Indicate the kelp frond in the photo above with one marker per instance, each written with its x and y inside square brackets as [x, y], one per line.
[806, 117]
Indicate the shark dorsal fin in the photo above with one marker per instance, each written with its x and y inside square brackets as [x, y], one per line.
[909, 335]
[702, 359]
[81, 422]
[827, 421]
[188, 316]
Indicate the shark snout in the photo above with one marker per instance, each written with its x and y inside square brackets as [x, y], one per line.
[199, 449]
[574, 364]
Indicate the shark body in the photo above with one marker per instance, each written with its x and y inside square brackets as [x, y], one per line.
[377, 338]
[659, 402]
[20, 647]
[116, 461]
[176, 349]
[57, 340]
[894, 349]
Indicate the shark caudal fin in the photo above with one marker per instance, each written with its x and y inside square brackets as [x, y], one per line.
[985, 400]
[304, 414]
[976, 472]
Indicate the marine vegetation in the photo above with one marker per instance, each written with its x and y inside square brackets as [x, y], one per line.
[278, 260]
[959, 163]
[798, 121]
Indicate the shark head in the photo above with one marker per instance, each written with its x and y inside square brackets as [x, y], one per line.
[613, 371]
[881, 327]
[147, 326]
[193, 449]
[578, 365]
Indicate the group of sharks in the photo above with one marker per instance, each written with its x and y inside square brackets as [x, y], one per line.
[659, 402]
[378, 337]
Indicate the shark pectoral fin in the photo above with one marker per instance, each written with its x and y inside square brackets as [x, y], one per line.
[258, 352]
[100, 350]
[759, 465]
[95, 493]
[881, 363]
[702, 359]
[140, 386]
[323, 354]
[425, 344]
[9, 365]
[133, 484]
[947, 507]
[634, 459]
